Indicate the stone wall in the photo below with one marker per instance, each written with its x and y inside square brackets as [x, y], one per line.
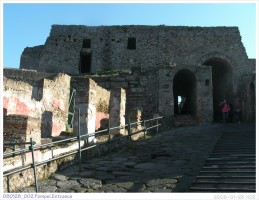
[156, 47]
[25, 75]
[31, 57]
[247, 98]
[140, 93]
[145, 50]
[46, 98]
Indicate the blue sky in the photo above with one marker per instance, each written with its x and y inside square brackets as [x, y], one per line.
[27, 24]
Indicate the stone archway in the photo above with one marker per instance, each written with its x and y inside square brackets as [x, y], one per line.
[184, 89]
[222, 81]
[252, 104]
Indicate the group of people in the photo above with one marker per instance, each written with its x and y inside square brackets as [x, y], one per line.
[225, 109]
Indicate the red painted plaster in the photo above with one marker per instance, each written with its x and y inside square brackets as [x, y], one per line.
[99, 117]
[56, 103]
[57, 128]
[14, 106]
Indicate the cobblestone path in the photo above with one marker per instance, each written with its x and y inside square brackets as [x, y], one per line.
[167, 162]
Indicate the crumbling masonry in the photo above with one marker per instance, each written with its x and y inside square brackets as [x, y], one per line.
[151, 69]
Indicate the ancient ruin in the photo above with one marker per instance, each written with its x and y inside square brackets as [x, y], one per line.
[158, 66]
[126, 73]
[136, 72]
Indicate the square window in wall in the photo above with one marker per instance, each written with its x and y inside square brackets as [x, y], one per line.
[131, 43]
[86, 43]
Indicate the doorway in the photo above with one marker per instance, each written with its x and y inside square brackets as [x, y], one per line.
[85, 62]
[221, 83]
[184, 88]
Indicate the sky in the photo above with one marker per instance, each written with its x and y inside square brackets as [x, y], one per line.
[29, 24]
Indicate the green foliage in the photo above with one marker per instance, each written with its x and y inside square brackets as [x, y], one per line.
[69, 130]
[102, 106]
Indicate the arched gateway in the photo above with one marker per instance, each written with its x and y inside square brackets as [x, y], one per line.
[185, 94]
[222, 67]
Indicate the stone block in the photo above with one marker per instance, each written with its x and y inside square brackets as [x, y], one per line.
[19, 128]
[119, 84]
[117, 79]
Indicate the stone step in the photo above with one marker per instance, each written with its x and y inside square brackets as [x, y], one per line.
[184, 120]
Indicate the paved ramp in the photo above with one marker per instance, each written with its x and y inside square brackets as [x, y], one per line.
[167, 162]
[231, 166]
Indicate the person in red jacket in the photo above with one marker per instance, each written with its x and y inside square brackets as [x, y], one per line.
[225, 108]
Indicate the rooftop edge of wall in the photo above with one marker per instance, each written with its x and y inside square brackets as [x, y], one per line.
[25, 75]
[55, 28]
[144, 26]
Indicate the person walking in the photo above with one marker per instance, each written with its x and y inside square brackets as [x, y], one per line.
[225, 108]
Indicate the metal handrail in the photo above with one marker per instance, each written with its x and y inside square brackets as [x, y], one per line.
[34, 147]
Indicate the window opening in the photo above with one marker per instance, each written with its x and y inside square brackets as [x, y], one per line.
[86, 43]
[131, 43]
[85, 63]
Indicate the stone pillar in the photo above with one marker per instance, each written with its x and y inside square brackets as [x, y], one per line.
[85, 100]
[91, 111]
[117, 109]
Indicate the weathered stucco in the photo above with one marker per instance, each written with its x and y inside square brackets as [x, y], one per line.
[46, 99]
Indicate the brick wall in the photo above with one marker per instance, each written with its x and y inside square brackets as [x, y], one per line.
[19, 128]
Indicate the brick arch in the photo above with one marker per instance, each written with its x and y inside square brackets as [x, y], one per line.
[217, 55]
[222, 79]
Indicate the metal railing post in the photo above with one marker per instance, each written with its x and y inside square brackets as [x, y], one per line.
[109, 142]
[79, 143]
[145, 130]
[8, 184]
[33, 164]
[157, 126]
[129, 129]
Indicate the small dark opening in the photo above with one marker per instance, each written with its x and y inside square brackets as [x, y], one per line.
[184, 88]
[207, 82]
[85, 63]
[87, 43]
[131, 43]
